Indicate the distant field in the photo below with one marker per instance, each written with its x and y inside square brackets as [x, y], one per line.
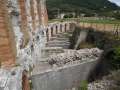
[102, 21]
[106, 21]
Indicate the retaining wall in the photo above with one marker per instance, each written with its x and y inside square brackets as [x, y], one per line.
[63, 78]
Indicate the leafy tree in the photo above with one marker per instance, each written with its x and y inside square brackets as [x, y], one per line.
[114, 58]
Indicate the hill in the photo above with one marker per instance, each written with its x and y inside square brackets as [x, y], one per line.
[89, 7]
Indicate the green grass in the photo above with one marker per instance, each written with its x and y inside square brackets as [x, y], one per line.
[105, 21]
[102, 21]
[83, 85]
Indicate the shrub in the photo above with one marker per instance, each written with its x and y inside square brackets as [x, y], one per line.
[114, 58]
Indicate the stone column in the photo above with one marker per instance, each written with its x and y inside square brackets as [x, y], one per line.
[35, 14]
[63, 27]
[58, 31]
[60, 27]
[43, 13]
[24, 25]
[7, 42]
[54, 29]
[29, 16]
[49, 33]
[68, 27]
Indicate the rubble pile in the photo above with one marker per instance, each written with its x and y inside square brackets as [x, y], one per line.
[75, 56]
[100, 85]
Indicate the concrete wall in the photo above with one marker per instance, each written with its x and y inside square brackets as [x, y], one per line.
[63, 78]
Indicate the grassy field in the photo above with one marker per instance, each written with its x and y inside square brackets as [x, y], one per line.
[106, 21]
[102, 21]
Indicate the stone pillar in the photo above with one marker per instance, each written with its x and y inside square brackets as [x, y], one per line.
[43, 13]
[58, 31]
[63, 27]
[35, 14]
[24, 25]
[54, 29]
[49, 33]
[68, 26]
[7, 42]
[60, 27]
[29, 16]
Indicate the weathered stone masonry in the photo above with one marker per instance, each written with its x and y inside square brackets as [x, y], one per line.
[23, 39]
[7, 43]
[21, 42]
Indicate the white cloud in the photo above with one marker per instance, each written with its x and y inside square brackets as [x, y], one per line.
[116, 1]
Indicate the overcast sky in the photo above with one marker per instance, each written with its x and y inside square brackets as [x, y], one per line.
[116, 1]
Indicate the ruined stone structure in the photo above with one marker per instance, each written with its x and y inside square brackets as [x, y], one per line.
[7, 45]
[24, 33]
[23, 26]
[22, 36]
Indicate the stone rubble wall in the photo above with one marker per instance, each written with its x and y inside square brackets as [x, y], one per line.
[74, 56]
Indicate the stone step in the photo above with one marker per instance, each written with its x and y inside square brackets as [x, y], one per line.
[48, 51]
[58, 42]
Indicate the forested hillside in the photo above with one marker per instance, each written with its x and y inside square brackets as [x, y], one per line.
[81, 6]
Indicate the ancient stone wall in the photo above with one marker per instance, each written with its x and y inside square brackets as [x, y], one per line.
[67, 71]
[56, 28]
[7, 42]
[22, 38]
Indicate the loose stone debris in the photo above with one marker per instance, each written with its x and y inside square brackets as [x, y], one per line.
[75, 56]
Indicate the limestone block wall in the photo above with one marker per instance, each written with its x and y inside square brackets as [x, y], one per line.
[67, 70]
[63, 78]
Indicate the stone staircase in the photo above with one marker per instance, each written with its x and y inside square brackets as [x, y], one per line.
[60, 40]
